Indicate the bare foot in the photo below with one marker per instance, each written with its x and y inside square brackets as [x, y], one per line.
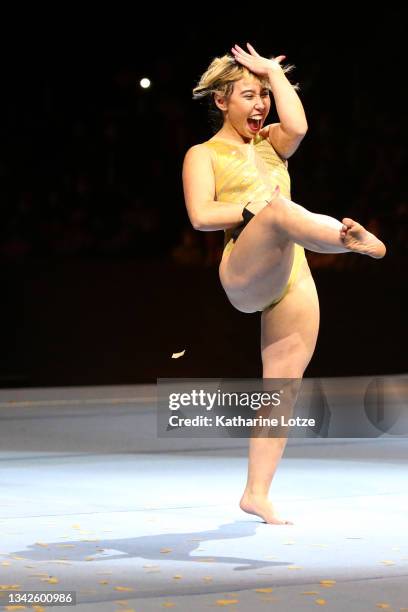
[358, 239]
[261, 506]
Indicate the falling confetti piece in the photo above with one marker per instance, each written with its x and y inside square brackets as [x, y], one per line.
[122, 588]
[66, 545]
[266, 590]
[208, 578]
[177, 355]
[320, 602]
[327, 583]
[10, 587]
[309, 592]
[89, 559]
[18, 558]
[15, 608]
[38, 609]
[103, 581]
[76, 526]
[384, 606]
[165, 550]
[294, 567]
[226, 602]
[168, 604]
[150, 565]
[51, 580]
[177, 577]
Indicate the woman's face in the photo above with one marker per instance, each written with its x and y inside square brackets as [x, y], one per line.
[247, 107]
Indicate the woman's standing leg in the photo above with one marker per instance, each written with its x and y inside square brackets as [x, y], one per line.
[288, 337]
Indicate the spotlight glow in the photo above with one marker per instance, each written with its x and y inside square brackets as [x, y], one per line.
[145, 83]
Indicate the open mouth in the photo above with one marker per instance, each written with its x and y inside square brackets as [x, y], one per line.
[254, 123]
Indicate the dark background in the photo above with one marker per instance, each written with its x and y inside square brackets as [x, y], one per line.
[103, 277]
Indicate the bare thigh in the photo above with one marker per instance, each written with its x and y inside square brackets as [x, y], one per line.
[289, 330]
[255, 272]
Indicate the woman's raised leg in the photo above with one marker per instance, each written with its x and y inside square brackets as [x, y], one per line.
[255, 272]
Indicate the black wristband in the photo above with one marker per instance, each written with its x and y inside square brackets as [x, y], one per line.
[247, 214]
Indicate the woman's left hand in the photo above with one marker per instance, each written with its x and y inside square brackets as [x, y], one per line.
[256, 63]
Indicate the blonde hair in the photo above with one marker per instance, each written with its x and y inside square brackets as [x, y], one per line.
[219, 78]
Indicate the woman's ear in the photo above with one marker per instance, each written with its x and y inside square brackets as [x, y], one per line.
[220, 101]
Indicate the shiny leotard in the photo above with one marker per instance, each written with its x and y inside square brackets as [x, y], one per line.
[246, 173]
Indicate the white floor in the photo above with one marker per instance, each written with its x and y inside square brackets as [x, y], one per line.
[147, 531]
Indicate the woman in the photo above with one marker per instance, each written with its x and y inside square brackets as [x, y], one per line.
[238, 181]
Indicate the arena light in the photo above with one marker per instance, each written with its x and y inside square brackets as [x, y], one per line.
[145, 83]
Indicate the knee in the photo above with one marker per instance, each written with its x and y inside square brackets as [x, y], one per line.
[288, 359]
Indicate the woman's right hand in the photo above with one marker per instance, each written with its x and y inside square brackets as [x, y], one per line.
[257, 205]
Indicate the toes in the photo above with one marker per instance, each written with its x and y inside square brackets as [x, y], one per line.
[347, 222]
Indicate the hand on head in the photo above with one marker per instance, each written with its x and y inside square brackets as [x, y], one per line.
[257, 64]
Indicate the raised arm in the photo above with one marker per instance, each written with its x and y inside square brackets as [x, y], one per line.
[204, 212]
[286, 136]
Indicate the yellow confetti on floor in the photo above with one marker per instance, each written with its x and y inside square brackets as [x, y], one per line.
[89, 540]
[386, 562]
[165, 550]
[383, 606]
[60, 561]
[103, 582]
[76, 526]
[38, 609]
[18, 558]
[294, 567]
[320, 602]
[226, 602]
[208, 578]
[10, 587]
[15, 608]
[89, 559]
[177, 355]
[66, 545]
[168, 604]
[327, 583]
[51, 580]
[310, 593]
[122, 588]
[266, 590]
[177, 577]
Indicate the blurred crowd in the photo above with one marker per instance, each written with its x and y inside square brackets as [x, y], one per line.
[91, 167]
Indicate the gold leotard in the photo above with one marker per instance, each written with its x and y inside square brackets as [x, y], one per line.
[246, 173]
